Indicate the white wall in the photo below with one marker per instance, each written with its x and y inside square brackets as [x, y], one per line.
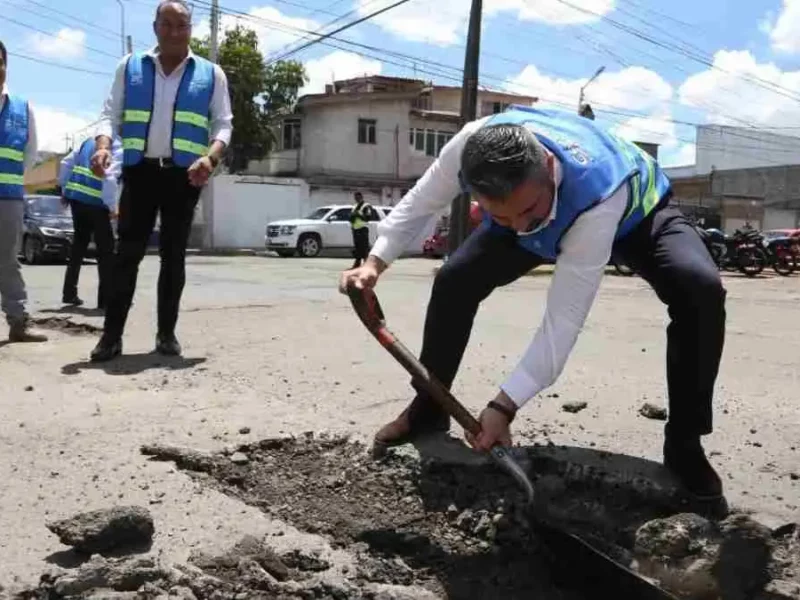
[743, 148]
[775, 218]
[243, 205]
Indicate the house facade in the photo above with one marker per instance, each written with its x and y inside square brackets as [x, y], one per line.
[374, 134]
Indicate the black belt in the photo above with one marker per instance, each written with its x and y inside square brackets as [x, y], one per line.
[161, 162]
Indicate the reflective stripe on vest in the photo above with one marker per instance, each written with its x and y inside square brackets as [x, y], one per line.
[13, 138]
[83, 185]
[359, 221]
[190, 131]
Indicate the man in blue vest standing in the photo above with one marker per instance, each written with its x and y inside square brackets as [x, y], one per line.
[172, 110]
[17, 152]
[92, 199]
[556, 186]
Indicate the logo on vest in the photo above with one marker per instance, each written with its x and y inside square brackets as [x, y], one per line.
[136, 78]
[578, 153]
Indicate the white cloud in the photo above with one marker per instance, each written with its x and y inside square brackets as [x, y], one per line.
[685, 154]
[785, 33]
[444, 22]
[655, 129]
[67, 44]
[282, 30]
[54, 124]
[336, 65]
[742, 92]
[633, 88]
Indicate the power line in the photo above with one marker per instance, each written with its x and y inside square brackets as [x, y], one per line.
[60, 65]
[53, 35]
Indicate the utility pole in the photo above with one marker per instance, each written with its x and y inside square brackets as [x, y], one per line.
[208, 200]
[459, 210]
[130, 45]
[585, 85]
[122, 25]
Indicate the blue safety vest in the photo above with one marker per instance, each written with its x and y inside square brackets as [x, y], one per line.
[83, 185]
[594, 163]
[14, 125]
[190, 131]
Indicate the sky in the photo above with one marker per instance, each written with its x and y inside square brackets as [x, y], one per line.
[667, 66]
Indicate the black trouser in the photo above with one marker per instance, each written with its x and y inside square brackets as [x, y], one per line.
[148, 190]
[88, 220]
[665, 250]
[360, 245]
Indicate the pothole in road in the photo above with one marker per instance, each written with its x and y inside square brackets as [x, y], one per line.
[447, 524]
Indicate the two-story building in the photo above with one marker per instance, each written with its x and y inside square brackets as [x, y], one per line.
[375, 134]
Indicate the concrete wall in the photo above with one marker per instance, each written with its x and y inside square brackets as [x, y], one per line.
[741, 148]
[244, 205]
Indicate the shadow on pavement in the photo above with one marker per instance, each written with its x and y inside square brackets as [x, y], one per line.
[132, 364]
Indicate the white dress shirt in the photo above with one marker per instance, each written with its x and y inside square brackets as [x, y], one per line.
[159, 138]
[585, 251]
[110, 180]
[32, 147]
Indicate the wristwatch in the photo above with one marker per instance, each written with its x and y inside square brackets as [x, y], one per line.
[509, 413]
[213, 159]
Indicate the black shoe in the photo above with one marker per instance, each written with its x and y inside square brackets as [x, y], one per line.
[106, 350]
[687, 461]
[167, 345]
[75, 301]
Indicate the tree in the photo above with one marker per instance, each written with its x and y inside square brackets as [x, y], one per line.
[260, 93]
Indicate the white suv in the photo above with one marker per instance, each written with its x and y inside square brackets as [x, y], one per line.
[326, 227]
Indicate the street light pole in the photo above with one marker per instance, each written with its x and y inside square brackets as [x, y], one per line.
[459, 211]
[122, 25]
[585, 85]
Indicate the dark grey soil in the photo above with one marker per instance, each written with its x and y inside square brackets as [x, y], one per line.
[457, 529]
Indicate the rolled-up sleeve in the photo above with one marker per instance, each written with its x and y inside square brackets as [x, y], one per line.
[585, 252]
[221, 126]
[32, 146]
[111, 113]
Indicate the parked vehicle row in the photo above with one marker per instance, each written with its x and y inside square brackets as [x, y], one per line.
[750, 251]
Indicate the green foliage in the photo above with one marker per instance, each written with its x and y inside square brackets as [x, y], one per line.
[260, 93]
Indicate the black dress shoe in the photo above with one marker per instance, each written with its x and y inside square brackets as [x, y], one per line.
[685, 458]
[167, 345]
[106, 350]
[72, 301]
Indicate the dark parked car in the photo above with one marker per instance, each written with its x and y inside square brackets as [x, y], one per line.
[47, 229]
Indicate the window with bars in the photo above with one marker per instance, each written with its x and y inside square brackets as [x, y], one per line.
[366, 131]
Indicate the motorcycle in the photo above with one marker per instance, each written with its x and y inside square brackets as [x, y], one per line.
[743, 251]
[782, 253]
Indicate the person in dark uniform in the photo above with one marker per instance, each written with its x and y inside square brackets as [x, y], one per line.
[359, 218]
[92, 200]
[172, 110]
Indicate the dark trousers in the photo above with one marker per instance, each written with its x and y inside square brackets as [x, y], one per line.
[665, 250]
[149, 190]
[360, 245]
[90, 220]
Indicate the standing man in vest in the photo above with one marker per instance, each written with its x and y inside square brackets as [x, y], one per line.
[172, 110]
[17, 152]
[358, 222]
[92, 199]
[556, 186]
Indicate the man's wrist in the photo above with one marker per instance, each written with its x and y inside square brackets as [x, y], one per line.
[505, 405]
[213, 159]
[102, 142]
[376, 263]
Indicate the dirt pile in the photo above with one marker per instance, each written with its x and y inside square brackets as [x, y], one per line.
[423, 526]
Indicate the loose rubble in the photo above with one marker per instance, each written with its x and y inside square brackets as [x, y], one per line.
[574, 406]
[422, 527]
[106, 530]
[652, 411]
